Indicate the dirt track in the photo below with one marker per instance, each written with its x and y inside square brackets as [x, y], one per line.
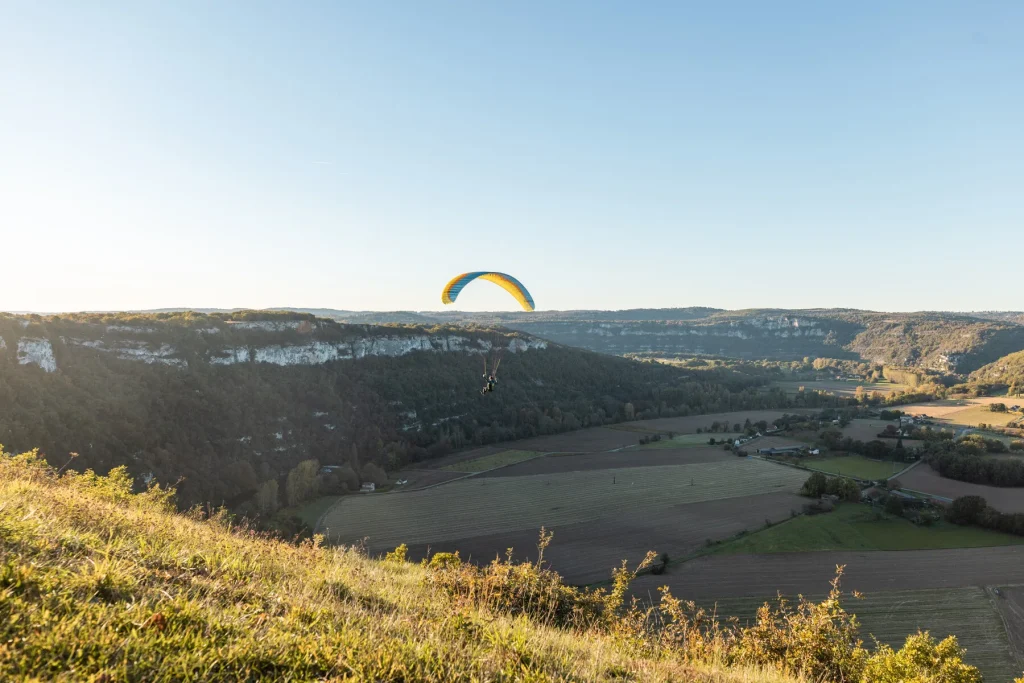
[723, 576]
[601, 461]
[586, 552]
[923, 478]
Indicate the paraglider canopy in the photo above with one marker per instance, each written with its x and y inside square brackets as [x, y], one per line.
[506, 282]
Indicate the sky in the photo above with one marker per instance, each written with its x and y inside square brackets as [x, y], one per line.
[357, 155]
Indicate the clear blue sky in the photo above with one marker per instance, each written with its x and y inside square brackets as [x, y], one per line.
[609, 154]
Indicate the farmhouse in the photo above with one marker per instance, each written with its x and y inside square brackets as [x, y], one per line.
[368, 487]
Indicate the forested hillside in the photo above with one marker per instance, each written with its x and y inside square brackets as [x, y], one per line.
[1006, 372]
[227, 402]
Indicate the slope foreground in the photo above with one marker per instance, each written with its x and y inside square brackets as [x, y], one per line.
[97, 583]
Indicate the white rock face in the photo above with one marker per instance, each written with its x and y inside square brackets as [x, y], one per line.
[314, 353]
[3, 344]
[518, 345]
[318, 352]
[37, 351]
[135, 350]
[231, 356]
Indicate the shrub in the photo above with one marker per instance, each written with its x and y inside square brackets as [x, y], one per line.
[815, 485]
[1017, 445]
[398, 555]
[894, 505]
[921, 659]
[966, 510]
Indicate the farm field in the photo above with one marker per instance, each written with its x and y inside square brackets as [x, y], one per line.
[923, 478]
[690, 424]
[624, 459]
[587, 552]
[852, 526]
[490, 461]
[714, 577]
[868, 430]
[967, 412]
[1010, 602]
[311, 512]
[691, 440]
[854, 466]
[838, 387]
[968, 613]
[480, 506]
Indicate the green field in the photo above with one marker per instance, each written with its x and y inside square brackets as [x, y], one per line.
[481, 506]
[692, 440]
[489, 462]
[855, 466]
[311, 512]
[966, 613]
[852, 526]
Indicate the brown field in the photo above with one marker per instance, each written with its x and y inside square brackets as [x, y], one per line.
[868, 430]
[926, 480]
[968, 412]
[583, 441]
[1010, 603]
[580, 462]
[729, 576]
[968, 613]
[588, 551]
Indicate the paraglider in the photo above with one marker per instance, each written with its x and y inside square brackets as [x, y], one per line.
[507, 282]
[490, 379]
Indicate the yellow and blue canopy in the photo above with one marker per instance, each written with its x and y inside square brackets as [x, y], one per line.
[506, 282]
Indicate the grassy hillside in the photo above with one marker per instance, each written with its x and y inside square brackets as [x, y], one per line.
[100, 584]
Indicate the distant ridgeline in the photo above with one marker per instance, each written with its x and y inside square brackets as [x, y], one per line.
[946, 342]
[229, 401]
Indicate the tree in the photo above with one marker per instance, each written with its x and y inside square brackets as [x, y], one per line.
[373, 473]
[266, 497]
[997, 407]
[966, 509]
[302, 483]
[815, 486]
